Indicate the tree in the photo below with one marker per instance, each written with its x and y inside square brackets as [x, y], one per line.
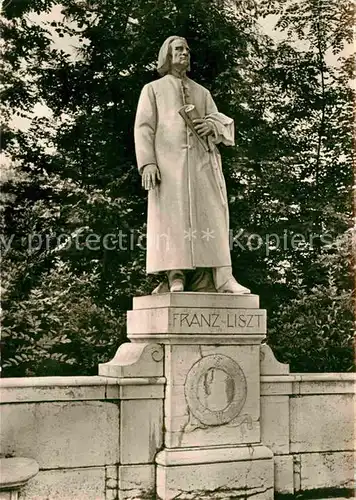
[76, 174]
[318, 120]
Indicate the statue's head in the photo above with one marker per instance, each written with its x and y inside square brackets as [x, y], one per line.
[174, 52]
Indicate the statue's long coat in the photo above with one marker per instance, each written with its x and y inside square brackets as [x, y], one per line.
[187, 223]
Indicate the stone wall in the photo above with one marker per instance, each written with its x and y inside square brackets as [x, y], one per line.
[97, 437]
[91, 436]
[308, 422]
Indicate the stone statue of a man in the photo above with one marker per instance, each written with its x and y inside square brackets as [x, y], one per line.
[188, 220]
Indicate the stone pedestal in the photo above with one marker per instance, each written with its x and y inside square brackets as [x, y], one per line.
[212, 439]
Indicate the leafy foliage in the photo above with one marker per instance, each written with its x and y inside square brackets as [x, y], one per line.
[74, 212]
[317, 324]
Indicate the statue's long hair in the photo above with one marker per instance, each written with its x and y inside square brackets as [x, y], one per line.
[164, 56]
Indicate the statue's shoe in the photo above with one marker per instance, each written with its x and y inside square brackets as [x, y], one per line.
[177, 286]
[232, 286]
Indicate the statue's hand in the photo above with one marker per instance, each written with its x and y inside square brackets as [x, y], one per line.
[150, 176]
[203, 127]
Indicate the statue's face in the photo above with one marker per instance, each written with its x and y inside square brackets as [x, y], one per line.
[180, 54]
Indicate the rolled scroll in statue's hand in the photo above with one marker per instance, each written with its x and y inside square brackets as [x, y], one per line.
[189, 113]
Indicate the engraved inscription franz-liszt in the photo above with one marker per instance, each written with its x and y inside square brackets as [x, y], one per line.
[218, 320]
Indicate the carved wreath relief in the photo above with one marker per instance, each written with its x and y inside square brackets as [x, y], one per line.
[215, 390]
